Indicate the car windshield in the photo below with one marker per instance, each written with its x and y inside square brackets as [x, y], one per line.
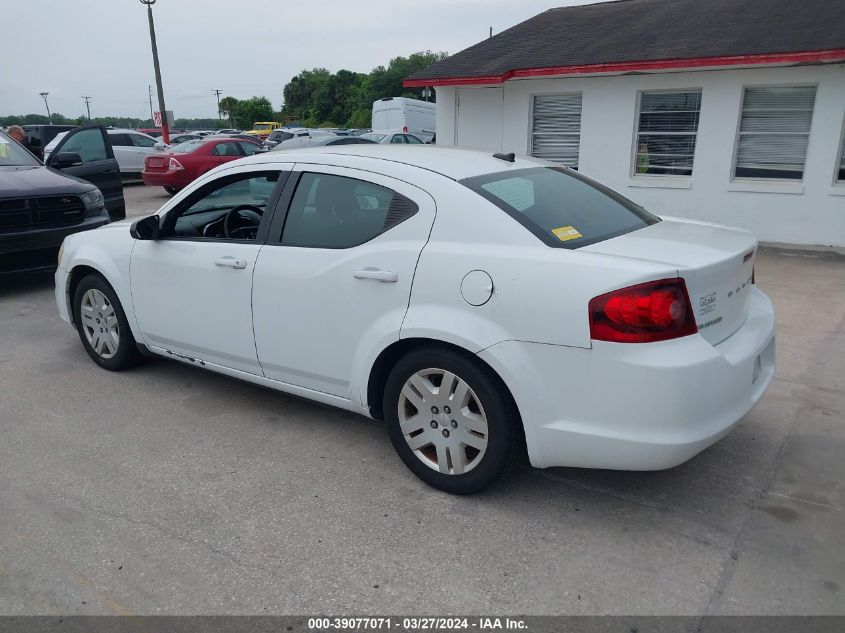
[262, 126]
[13, 155]
[374, 137]
[187, 147]
[560, 206]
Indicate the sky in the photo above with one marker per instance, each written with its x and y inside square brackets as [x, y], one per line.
[101, 48]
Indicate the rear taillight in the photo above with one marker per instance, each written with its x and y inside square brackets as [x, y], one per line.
[653, 311]
[175, 165]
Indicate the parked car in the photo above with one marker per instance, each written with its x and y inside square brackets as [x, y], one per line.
[262, 129]
[39, 136]
[392, 136]
[181, 138]
[130, 150]
[288, 137]
[40, 206]
[332, 140]
[184, 163]
[408, 115]
[493, 304]
[228, 130]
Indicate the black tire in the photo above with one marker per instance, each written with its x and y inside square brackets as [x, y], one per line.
[505, 445]
[126, 353]
[172, 190]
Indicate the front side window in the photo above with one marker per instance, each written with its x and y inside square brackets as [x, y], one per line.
[774, 132]
[398, 138]
[413, 140]
[89, 144]
[666, 132]
[228, 209]
[556, 128]
[561, 207]
[330, 211]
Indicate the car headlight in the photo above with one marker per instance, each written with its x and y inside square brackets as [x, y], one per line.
[93, 200]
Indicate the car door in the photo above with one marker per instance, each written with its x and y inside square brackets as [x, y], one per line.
[192, 287]
[334, 283]
[96, 164]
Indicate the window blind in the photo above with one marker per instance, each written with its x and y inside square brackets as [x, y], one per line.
[666, 132]
[556, 128]
[774, 132]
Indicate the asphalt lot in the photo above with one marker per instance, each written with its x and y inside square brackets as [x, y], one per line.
[169, 490]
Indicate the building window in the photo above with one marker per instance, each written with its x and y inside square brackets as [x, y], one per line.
[774, 132]
[667, 127]
[556, 128]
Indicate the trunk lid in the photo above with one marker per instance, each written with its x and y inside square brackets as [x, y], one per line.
[715, 261]
[157, 162]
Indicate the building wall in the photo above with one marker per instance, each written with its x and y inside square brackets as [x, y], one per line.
[808, 212]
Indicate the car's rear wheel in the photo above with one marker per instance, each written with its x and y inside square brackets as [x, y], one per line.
[451, 420]
[102, 326]
[172, 190]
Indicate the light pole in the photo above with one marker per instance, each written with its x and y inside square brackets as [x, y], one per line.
[165, 128]
[49, 116]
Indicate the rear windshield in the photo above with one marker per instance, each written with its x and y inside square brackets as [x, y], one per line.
[187, 147]
[562, 207]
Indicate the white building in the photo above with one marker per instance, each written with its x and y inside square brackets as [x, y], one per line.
[731, 111]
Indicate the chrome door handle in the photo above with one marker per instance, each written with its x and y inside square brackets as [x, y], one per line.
[384, 276]
[231, 262]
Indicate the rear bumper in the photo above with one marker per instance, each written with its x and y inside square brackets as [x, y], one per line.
[164, 179]
[637, 406]
[36, 249]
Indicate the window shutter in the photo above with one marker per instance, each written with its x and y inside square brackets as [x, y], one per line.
[556, 128]
[774, 132]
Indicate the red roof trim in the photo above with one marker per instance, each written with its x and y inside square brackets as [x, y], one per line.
[827, 56]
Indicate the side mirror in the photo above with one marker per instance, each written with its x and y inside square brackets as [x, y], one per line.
[66, 159]
[145, 228]
[160, 147]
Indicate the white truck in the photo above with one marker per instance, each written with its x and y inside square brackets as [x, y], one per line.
[412, 116]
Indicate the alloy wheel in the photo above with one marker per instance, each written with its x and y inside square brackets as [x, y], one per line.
[99, 323]
[442, 421]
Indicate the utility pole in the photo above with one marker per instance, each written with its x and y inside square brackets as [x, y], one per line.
[88, 106]
[491, 31]
[217, 92]
[165, 127]
[150, 91]
[49, 116]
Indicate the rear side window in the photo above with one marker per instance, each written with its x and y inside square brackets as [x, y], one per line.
[561, 207]
[330, 211]
[120, 140]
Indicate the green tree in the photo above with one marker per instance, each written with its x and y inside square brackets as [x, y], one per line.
[228, 107]
[251, 110]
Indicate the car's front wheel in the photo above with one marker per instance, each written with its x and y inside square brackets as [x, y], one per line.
[102, 326]
[451, 420]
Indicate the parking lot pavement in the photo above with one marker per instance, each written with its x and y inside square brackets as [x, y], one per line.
[169, 490]
[142, 200]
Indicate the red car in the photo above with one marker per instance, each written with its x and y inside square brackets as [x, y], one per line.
[183, 163]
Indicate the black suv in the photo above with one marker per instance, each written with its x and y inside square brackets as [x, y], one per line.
[40, 205]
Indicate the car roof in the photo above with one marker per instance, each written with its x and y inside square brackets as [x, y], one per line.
[450, 162]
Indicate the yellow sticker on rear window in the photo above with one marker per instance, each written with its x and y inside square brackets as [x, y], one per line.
[565, 233]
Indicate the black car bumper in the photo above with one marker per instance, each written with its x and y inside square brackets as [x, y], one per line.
[34, 249]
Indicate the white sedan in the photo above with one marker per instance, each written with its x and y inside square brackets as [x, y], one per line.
[485, 306]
